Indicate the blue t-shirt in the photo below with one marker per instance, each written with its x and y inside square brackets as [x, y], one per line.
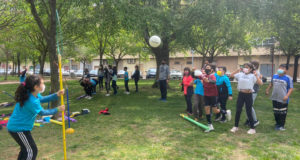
[22, 118]
[126, 76]
[93, 82]
[199, 87]
[281, 86]
[22, 79]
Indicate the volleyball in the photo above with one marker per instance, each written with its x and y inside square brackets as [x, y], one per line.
[154, 41]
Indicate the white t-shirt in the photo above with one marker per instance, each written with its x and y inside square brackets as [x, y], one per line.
[245, 81]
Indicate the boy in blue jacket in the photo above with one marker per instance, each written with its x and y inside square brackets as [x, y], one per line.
[225, 93]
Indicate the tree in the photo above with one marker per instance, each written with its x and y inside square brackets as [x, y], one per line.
[154, 17]
[214, 27]
[284, 19]
[49, 34]
[121, 44]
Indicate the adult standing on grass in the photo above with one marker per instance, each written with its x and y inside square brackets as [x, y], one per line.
[107, 77]
[246, 81]
[164, 76]
[282, 85]
[100, 76]
[28, 106]
[136, 77]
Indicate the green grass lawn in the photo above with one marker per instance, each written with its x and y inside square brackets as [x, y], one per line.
[141, 127]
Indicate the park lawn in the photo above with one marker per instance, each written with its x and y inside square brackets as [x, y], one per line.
[141, 127]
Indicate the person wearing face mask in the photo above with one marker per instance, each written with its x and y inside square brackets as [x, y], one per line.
[187, 83]
[164, 76]
[225, 93]
[254, 94]
[28, 106]
[210, 95]
[246, 81]
[282, 85]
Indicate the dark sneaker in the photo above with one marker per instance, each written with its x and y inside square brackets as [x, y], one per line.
[256, 123]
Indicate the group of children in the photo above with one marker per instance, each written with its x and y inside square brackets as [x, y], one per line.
[109, 76]
[213, 89]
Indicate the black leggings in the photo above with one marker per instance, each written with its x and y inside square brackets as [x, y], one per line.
[107, 87]
[244, 98]
[114, 86]
[100, 82]
[126, 85]
[223, 101]
[28, 147]
[136, 82]
[88, 90]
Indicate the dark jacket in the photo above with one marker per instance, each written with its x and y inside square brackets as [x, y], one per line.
[136, 75]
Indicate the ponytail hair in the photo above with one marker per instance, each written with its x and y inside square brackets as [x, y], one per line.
[22, 92]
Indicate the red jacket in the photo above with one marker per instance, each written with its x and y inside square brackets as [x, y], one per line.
[187, 83]
[210, 89]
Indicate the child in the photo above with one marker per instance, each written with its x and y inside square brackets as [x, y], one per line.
[225, 93]
[114, 80]
[246, 81]
[28, 106]
[89, 86]
[107, 77]
[136, 77]
[254, 94]
[100, 76]
[282, 85]
[126, 80]
[198, 96]
[188, 89]
[23, 76]
[210, 95]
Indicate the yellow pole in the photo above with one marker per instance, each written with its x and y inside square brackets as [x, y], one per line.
[62, 103]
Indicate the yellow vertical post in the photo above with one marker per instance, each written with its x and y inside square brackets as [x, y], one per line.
[63, 113]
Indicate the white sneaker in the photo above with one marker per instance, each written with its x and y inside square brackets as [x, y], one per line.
[228, 115]
[107, 95]
[251, 131]
[211, 128]
[89, 97]
[234, 129]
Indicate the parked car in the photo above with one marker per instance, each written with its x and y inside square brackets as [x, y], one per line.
[47, 72]
[65, 73]
[79, 73]
[151, 73]
[94, 73]
[121, 74]
[175, 74]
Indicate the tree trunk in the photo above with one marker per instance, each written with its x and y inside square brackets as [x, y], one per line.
[101, 58]
[13, 68]
[19, 63]
[160, 54]
[33, 63]
[6, 68]
[288, 57]
[295, 75]
[42, 60]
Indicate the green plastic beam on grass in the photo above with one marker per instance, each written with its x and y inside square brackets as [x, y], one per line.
[195, 122]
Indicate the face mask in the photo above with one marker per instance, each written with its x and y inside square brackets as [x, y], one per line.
[43, 89]
[245, 70]
[207, 71]
[219, 73]
[280, 71]
[186, 72]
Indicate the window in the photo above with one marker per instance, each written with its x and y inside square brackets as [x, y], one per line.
[74, 67]
[176, 62]
[130, 61]
[247, 58]
[189, 62]
[105, 62]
